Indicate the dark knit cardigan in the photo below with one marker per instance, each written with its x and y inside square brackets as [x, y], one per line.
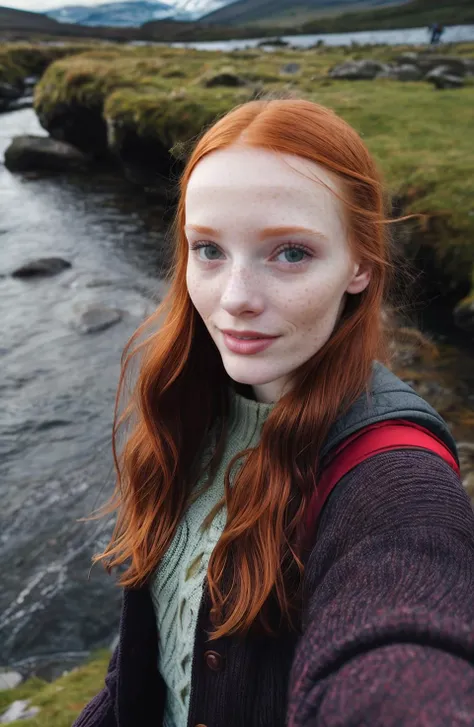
[387, 633]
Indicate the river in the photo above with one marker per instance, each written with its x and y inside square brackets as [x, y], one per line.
[57, 391]
[405, 36]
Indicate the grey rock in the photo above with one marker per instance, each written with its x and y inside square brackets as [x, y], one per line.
[358, 70]
[290, 68]
[408, 72]
[97, 318]
[10, 679]
[455, 65]
[45, 266]
[31, 153]
[408, 57]
[18, 710]
[274, 42]
[442, 78]
[230, 80]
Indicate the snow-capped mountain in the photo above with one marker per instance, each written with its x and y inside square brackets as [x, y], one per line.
[132, 13]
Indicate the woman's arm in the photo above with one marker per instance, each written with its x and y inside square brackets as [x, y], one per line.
[388, 634]
[100, 710]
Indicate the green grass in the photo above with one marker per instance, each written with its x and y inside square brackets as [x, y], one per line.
[422, 138]
[61, 701]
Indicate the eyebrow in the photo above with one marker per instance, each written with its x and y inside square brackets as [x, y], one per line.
[266, 232]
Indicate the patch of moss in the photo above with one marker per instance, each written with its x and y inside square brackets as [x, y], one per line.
[170, 118]
[61, 701]
[19, 60]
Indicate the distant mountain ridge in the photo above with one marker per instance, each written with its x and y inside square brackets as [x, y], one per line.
[248, 11]
[133, 13]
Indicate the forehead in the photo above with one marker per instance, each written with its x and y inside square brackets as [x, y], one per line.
[259, 176]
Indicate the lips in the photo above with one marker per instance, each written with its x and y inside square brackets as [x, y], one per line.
[247, 343]
[246, 334]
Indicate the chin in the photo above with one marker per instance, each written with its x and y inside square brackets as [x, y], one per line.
[247, 373]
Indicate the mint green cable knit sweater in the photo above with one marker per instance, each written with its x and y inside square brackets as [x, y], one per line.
[176, 587]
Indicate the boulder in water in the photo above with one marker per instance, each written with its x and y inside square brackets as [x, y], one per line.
[363, 70]
[30, 153]
[42, 267]
[273, 42]
[97, 318]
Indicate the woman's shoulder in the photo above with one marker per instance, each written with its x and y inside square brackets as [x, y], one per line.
[387, 398]
[403, 488]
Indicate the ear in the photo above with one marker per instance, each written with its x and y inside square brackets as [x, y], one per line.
[360, 278]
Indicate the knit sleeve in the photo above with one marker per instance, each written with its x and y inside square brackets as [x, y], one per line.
[100, 710]
[388, 628]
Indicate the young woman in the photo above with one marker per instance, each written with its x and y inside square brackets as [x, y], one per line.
[262, 385]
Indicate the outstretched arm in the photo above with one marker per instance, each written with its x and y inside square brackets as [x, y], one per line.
[388, 635]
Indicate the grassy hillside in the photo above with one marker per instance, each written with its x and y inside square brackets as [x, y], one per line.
[417, 13]
[248, 11]
[341, 15]
[295, 19]
[20, 19]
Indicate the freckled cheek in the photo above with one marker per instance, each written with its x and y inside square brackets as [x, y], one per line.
[204, 295]
[309, 313]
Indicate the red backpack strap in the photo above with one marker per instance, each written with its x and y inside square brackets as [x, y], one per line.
[367, 442]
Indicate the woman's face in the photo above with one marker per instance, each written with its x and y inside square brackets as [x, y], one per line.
[269, 257]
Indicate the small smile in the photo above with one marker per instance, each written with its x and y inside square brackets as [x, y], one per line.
[247, 342]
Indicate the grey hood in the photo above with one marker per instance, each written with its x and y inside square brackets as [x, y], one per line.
[389, 398]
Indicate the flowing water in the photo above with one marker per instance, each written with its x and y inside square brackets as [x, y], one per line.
[57, 391]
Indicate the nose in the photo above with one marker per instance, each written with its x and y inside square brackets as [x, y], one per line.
[242, 293]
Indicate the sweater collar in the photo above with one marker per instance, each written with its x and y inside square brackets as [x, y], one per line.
[246, 416]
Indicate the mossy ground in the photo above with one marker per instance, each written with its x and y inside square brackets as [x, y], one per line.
[421, 137]
[61, 701]
[19, 60]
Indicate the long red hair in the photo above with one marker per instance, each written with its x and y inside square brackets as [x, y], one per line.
[181, 394]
